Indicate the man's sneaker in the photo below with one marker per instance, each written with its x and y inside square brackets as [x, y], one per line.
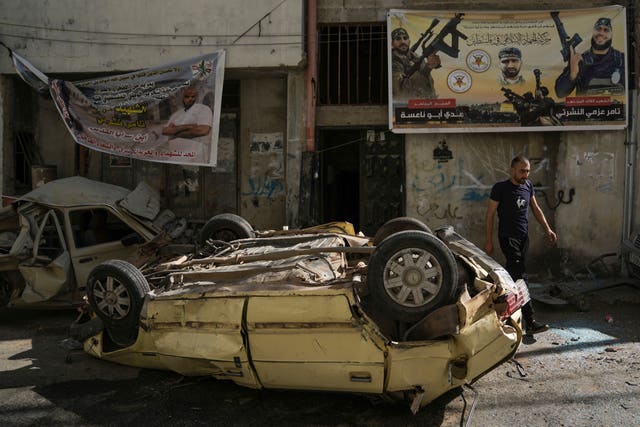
[536, 328]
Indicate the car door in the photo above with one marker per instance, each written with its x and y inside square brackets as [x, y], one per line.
[308, 341]
[48, 272]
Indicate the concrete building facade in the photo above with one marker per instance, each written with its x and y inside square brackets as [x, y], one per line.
[338, 160]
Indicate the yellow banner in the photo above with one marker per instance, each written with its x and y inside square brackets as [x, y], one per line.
[507, 71]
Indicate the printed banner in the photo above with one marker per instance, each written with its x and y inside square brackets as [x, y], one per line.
[168, 114]
[507, 71]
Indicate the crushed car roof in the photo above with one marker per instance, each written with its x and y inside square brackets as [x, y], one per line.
[76, 191]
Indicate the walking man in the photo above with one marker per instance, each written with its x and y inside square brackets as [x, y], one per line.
[511, 199]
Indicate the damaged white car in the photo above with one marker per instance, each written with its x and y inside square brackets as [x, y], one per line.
[409, 314]
[54, 236]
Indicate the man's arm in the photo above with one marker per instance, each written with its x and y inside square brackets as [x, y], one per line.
[566, 82]
[539, 215]
[186, 131]
[492, 208]
[397, 73]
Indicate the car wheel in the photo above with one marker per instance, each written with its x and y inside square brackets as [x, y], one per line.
[410, 274]
[399, 224]
[226, 227]
[116, 291]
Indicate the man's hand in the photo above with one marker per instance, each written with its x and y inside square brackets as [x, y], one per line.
[552, 238]
[432, 61]
[574, 63]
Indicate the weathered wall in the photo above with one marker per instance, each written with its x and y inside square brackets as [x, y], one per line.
[56, 145]
[376, 10]
[262, 154]
[88, 36]
[593, 163]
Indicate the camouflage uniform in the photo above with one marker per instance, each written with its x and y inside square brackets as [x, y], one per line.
[419, 86]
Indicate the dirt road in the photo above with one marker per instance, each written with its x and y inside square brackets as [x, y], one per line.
[584, 372]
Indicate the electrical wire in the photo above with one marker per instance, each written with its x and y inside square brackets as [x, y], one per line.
[194, 41]
[159, 44]
[354, 141]
[372, 35]
[108, 33]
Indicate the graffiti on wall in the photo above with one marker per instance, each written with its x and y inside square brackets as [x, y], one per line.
[439, 179]
[266, 177]
[427, 209]
[265, 187]
[442, 190]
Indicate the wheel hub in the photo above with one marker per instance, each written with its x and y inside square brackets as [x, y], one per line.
[111, 298]
[412, 277]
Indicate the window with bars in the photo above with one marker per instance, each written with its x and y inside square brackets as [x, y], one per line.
[352, 64]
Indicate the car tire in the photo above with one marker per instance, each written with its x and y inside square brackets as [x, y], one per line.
[226, 227]
[116, 291]
[395, 225]
[409, 288]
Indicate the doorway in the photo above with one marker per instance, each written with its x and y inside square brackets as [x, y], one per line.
[361, 177]
[340, 175]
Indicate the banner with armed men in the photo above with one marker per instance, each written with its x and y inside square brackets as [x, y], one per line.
[507, 71]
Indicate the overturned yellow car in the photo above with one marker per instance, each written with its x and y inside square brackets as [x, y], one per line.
[410, 314]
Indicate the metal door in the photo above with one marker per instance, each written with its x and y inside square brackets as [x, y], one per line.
[382, 177]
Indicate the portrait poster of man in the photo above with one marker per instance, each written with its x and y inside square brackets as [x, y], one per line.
[168, 113]
[507, 70]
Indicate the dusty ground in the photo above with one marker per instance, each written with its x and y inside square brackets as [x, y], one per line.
[584, 372]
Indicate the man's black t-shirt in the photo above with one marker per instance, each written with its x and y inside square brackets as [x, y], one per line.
[513, 207]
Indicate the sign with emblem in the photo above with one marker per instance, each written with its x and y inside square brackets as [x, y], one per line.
[498, 71]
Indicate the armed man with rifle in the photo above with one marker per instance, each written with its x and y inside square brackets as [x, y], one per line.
[534, 110]
[600, 70]
[420, 84]
[411, 73]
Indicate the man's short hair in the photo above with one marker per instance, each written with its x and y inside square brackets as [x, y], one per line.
[398, 32]
[510, 52]
[602, 22]
[519, 159]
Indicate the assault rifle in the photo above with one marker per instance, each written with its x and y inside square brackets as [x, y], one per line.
[424, 37]
[438, 43]
[533, 110]
[565, 40]
[518, 101]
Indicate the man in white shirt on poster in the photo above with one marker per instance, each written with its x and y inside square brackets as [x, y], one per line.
[193, 122]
